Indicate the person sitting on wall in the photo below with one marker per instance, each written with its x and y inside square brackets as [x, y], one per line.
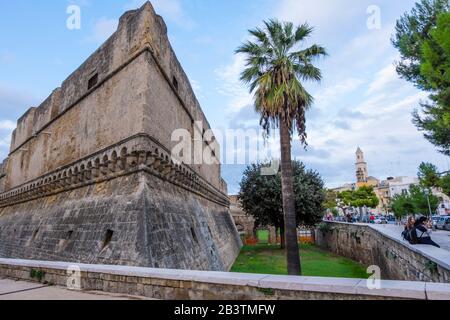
[422, 234]
[410, 223]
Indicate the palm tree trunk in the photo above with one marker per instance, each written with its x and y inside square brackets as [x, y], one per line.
[282, 238]
[290, 223]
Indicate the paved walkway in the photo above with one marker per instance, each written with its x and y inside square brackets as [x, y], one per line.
[21, 290]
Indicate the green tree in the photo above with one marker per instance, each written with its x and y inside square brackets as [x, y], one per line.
[420, 200]
[276, 65]
[431, 178]
[435, 68]
[444, 184]
[330, 199]
[335, 212]
[261, 197]
[412, 30]
[414, 202]
[402, 206]
[362, 197]
[422, 37]
[344, 199]
[429, 175]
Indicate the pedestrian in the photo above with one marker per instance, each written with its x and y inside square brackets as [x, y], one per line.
[409, 226]
[349, 218]
[372, 219]
[423, 232]
[410, 223]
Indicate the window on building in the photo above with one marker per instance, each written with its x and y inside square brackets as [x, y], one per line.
[194, 235]
[35, 233]
[93, 81]
[69, 235]
[175, 83]
[108, 238]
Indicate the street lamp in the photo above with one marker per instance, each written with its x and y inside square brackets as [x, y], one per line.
[427, 193]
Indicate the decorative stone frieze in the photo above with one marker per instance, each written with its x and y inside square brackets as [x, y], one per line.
[137, 153]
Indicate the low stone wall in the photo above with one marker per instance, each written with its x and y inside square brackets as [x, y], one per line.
[197, 285]
[397, 259]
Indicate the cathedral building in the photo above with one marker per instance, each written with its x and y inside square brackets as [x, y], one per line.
[362, 173]
[384, 189]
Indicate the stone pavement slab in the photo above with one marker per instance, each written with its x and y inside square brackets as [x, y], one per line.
[7, 286]
[21, 290]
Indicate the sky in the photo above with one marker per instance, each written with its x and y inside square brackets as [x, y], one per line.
[361, 101]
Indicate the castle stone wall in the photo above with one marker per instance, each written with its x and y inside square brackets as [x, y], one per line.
[136, 69]
[153, 224]
[90, 176]
[106, 116]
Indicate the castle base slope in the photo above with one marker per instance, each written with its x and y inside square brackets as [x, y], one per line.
[134, 220]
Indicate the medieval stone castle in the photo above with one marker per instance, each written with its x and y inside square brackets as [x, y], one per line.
[90, 177]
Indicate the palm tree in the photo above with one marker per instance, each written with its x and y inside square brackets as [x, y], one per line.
[275, 67]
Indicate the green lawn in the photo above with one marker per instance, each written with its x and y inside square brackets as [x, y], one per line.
[266, 259]
[263, 236]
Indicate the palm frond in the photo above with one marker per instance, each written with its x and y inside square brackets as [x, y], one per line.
[308, 72]
[311, 53]
[303, 31]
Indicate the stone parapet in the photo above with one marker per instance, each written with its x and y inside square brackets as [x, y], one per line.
[197, 285]
[397, 259]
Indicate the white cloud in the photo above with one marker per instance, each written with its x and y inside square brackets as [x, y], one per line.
[331, 93]
[319, 12]
[103, 29]
[6, 128]
[367, 49]
[385, 106]
[383, 128]
[383, 79]
[370, 106]
[15, 101]
[197, 89]
[7, 125]
[5, 141]
[232, 87]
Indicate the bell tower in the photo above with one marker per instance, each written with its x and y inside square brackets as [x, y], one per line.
[362, 173]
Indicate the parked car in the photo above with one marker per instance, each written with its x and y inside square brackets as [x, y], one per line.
[380, 220]
[435, 220]
[443, 223]
[391, 220]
